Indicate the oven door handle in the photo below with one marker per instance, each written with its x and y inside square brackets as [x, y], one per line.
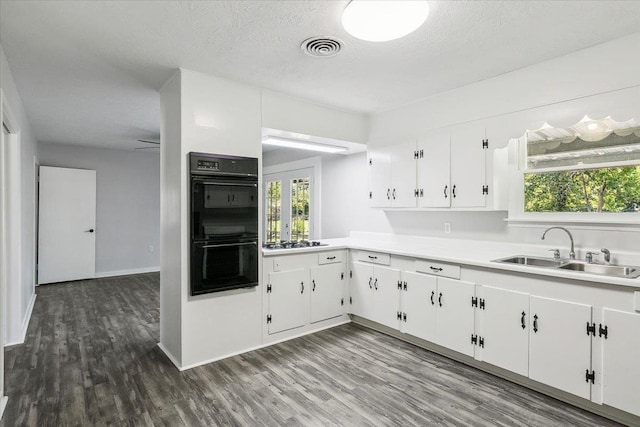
[228, 184]
[227, 245]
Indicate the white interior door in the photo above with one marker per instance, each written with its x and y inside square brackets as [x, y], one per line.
[66, 223]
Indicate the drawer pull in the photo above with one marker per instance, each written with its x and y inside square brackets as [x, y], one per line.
[331, 257]
[438, 269]
[373, 257]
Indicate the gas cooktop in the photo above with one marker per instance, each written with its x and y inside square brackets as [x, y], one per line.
[292, 244]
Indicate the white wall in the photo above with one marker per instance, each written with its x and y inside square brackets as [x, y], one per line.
[598, 81]
[21, 288]
[215, 116]
[128, 203]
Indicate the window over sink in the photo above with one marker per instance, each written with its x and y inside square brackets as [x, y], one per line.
[592, 167]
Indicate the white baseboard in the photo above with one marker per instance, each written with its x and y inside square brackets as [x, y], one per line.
[127, 272]
[170, 356]
[25, 324]
[3, 404]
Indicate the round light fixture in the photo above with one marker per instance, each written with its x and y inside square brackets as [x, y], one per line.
[592, 126]
[381, 20]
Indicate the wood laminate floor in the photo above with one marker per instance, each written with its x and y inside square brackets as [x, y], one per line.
[91, 358]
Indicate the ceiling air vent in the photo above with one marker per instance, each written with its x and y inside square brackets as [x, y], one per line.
[322, 47]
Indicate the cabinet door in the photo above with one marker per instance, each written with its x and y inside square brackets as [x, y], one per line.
[559, 347]
[288, 300]
[379, 166]
[361, 289]
[326, 292]
[403, 176]
[386, 296]
[468, 160]
[504, 327]
[621, 360]
[455, 318]
[434, 171]
[418, 303]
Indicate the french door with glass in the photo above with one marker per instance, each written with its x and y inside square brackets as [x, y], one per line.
[288, 205]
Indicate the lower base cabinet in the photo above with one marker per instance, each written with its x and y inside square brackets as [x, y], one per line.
[288, 300]
[503, 326]
[455, 315]
[560, 347]
[620, 332]
[327, 292]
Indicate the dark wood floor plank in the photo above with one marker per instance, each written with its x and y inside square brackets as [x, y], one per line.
[91, 359]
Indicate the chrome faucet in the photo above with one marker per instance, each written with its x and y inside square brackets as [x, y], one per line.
[607, 255]
[572, 253]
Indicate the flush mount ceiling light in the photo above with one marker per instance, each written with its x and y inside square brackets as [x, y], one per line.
[302, 145]
[381, 20]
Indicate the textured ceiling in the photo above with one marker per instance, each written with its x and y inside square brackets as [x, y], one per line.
[88, 71]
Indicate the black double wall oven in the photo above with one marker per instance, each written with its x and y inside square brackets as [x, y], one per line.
[224, 222]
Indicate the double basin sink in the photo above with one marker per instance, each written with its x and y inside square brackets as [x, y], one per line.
[611, 270]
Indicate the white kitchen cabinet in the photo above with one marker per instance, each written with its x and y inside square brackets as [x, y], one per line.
[386, 299]
[468, 167]
[439, 310]
[434, 174]
[559, 346]
[418, 303]
[392, 176]
[452, 169]
[455, 317]
[503, 326]
[327, 292]
[620, 359]
[374, 293]
[288, 300]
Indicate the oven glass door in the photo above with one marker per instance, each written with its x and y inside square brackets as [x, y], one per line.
[224, 208]
[223, 266]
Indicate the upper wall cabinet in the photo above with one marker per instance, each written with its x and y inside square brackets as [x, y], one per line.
[443, 170]
[392, 176]
[452, 169]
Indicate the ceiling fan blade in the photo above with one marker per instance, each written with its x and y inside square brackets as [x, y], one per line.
[146, 141]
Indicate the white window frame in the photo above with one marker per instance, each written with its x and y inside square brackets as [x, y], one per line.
[518, 217]
[288, 171]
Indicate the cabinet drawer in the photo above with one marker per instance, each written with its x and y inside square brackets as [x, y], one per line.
[374, 257]
[438, 268]
[331, 257]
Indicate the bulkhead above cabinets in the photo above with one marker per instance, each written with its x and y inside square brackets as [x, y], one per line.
[446, 169]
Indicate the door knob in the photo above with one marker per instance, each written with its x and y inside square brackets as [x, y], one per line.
[91, 230]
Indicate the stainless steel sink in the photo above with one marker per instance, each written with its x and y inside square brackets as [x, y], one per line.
[627, 272]
[530, 260]
[611, 270]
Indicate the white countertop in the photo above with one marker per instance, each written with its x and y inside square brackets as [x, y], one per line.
[475, 253]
